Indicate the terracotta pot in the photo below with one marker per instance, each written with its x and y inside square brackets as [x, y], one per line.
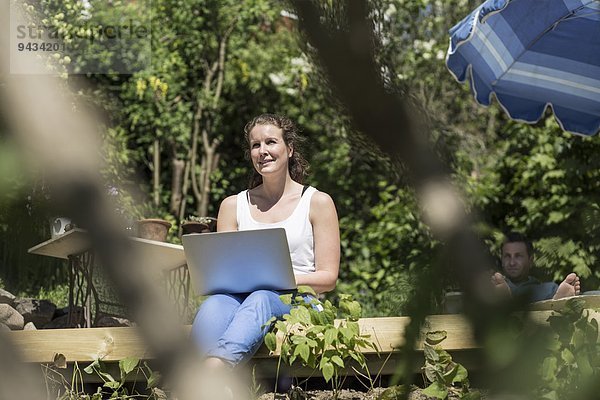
[153, 229]
[199, 227]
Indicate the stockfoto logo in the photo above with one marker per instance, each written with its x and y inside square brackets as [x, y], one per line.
[131, 30]
[81, 45]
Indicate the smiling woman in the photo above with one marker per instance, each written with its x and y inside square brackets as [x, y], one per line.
[229, 328]
[280, 128]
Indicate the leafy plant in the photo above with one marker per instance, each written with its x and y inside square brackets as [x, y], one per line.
[201, 220]
[58, 387]
[127, 367]
[573, 360]
[312, 337]
[444, 375]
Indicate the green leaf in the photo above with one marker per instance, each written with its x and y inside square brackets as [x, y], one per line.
[430, 373]
[431, 354]
[552, 395]
[461, 374]
[303, 351]
[549, 367]
[330, 336]
[303, 289]
[108, 377]
[436, 390]
[352, 308]
[302, 315]
[472, 395]
[153, 379]
[127, 365]
[567, 356]
[90, 368]
[281, 326]
[112, 385]
[271, 341]
[347, 332]
[583, 363]
[338, 361]
[354, 327]
[393, 393]
[286, 298]
[327, 371]
[435, 337]
[358, 357]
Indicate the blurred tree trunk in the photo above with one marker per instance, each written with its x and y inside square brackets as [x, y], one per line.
[156, 173]
[178, 167]
[204, 138]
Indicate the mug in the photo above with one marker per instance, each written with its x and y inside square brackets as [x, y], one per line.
[58, 226]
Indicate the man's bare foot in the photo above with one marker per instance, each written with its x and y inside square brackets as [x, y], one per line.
[500, 285]
[569, 287]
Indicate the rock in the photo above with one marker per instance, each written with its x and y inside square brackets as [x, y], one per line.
[59, 323]
[29, 327]
[40, 312]
[110, 321]
[4, 327]
[11, 317]
[63, 321]
[7, 297]
[65, 311]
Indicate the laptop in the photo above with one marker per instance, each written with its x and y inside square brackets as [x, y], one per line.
[239, 261]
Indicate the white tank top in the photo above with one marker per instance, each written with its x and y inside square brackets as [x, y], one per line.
[298, 229]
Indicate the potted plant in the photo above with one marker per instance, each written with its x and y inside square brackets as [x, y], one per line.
[195, 224]
[153, 229]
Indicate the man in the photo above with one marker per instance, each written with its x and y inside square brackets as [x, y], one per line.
[517, 260]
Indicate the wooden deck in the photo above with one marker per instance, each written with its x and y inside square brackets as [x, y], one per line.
[113, 344]
[85, 345]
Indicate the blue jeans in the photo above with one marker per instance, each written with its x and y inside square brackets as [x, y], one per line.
[232, 327]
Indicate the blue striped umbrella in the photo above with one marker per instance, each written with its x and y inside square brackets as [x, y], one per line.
[532, 54]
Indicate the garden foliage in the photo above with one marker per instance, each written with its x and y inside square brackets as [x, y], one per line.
[311, 337]
[572, 362]
[444, 375]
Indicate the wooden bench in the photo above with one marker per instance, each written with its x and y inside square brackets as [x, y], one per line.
[112, 344]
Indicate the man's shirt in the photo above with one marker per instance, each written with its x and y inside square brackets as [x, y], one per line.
[533, 289]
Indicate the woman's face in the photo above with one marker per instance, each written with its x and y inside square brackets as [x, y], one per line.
[268, 151]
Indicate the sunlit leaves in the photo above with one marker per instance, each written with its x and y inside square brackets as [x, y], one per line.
[442, 373]
[312, 338]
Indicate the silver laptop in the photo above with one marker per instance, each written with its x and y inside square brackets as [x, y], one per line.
[239, 261]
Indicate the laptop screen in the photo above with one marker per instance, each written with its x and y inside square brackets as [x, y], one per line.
[239, 261]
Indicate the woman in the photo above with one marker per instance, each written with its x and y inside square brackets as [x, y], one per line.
[230, 328]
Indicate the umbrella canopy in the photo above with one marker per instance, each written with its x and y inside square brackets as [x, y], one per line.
[532, 54]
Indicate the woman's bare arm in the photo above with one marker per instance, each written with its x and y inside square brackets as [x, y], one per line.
[227, 218]
[326, 233]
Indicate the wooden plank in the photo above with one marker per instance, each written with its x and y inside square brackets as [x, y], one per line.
[591, 301]
[83, 344]
[112, 344]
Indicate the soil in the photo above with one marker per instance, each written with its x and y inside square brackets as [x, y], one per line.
[345, 394]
